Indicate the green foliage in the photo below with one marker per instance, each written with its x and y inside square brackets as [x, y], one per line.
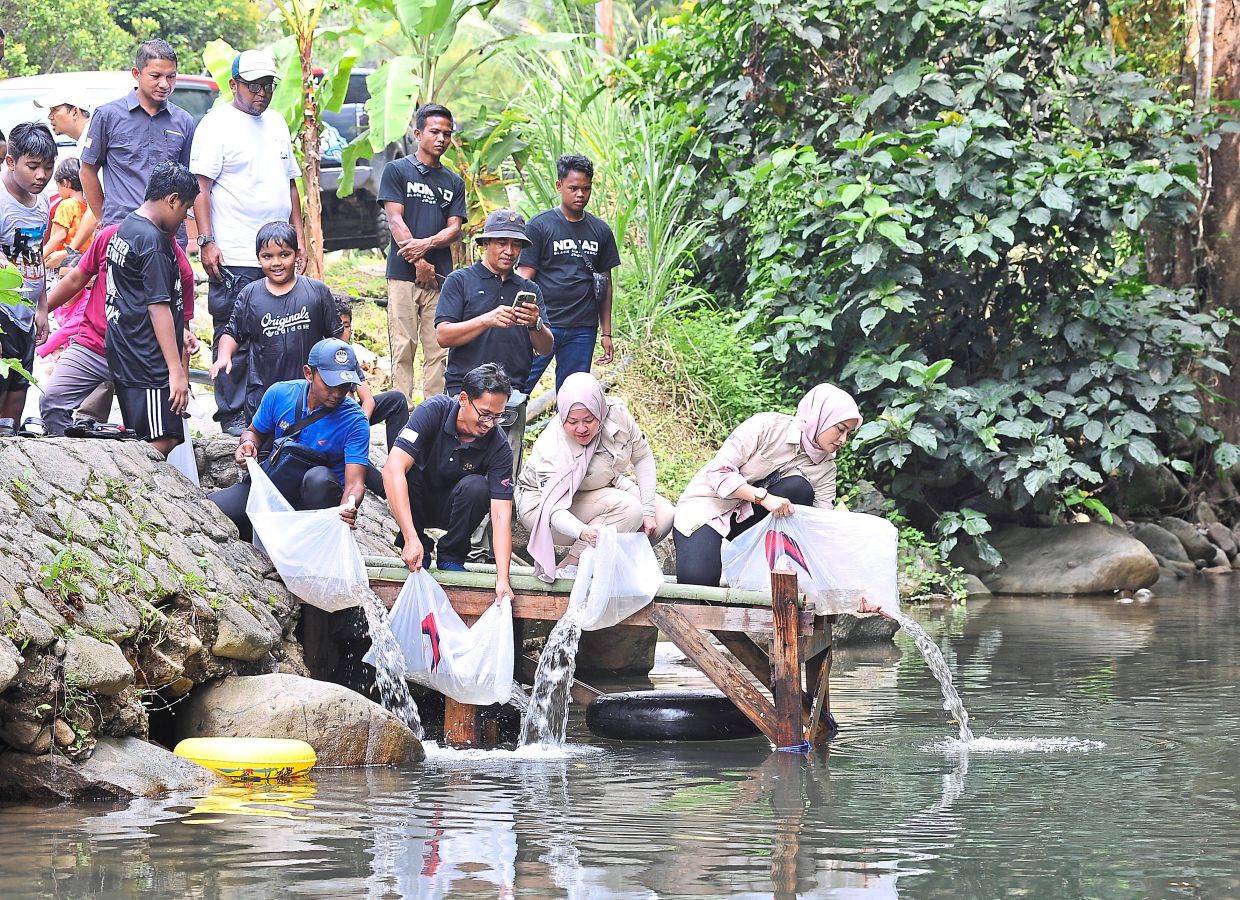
[189, 25]
[941, 207]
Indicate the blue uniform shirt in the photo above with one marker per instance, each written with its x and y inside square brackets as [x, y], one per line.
[343, 434]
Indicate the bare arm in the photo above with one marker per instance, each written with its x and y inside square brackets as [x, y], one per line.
[92, 187]
[355, 490]
[294, 219]
[366, 399]
[166, 335]
[542, 339]
[501, 543]
[86, 230]
[66, 288]
[209, 254]
[223, 362]
[604, 322]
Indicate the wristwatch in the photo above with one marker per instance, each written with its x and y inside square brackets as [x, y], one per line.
[759, 494]
[204, 239]
[537, 324]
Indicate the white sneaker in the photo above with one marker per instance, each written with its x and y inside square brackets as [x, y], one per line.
[566, 572]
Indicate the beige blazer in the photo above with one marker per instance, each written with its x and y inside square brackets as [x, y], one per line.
[623, 446]
[762, 444]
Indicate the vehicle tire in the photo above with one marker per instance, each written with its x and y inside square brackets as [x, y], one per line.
[675, 715]
[382, 231]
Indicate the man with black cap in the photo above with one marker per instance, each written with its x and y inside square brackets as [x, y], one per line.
[488, 313]
[319, 435]
[247, 175]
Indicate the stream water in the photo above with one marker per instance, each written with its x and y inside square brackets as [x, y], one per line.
[1139, 798]
[388, 661]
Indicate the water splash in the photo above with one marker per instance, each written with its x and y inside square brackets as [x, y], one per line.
[938, 667]
[1017, 745]
[389, 662]
[546, 716]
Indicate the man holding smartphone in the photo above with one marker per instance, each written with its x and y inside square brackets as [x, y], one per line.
[488, 313]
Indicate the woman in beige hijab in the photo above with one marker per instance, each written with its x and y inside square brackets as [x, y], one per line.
[575, 479]
[770, 463]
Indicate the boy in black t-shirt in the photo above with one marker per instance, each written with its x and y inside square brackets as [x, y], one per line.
[277, 319]
[145, 311]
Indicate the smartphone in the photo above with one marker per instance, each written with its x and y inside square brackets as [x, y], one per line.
[525, 298]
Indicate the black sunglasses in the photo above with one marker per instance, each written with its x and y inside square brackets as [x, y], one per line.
[265, 85]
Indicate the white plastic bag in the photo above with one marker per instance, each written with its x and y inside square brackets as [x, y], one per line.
[314, 551]
[182, 458]
[469, 663]
[615, 579]
[841, 558]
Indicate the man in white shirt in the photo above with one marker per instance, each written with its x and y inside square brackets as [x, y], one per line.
[68, 112]
[243, 157]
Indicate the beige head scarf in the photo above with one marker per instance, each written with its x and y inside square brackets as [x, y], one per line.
[579, 389]
[824, 406]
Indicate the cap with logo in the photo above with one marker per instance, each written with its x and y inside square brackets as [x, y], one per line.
[504, 224]
[251, 65]
[335, 362]
[64, 97]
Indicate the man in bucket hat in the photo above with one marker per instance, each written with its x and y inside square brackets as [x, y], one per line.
[247, 177]
[327, 465]
[488, 313]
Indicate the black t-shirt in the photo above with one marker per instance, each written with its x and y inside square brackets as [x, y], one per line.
[431, 195]
[470, 292]
[142, 271]
[562, 254]
[282, 329]
[432, 440]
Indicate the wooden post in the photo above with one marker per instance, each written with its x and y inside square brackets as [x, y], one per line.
[462, 723]
[785, 655]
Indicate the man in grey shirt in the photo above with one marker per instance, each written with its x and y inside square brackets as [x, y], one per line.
[130, 136]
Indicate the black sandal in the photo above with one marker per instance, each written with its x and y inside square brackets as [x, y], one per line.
[32, 426]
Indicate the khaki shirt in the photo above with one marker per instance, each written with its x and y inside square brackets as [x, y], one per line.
[762, 444]
[623, 446]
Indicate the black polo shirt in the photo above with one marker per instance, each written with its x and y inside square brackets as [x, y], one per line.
[468, 293]
[432, 440]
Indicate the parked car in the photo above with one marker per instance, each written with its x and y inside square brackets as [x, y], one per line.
[356, 221]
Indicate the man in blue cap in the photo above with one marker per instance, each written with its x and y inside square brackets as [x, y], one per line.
[319, 435]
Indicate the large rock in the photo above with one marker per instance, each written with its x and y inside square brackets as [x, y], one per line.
[92, 665]
[343, 727]
[852, 631]
[1160, 541]
[1196, 545]
[1066, 559]
[1221, 537]
[1151, 488]
[241, 635]
[120, 769]
[115, 573]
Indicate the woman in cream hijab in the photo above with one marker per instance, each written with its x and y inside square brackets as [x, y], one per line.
[575, 479]
[770, 462]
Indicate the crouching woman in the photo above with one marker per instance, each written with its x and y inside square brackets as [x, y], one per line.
[576, 480]
[768, 464]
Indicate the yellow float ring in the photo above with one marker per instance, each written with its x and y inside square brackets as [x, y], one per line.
[250, 759]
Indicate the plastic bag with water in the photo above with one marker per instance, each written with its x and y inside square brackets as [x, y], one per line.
[469, 663]
[841, 558]
[615, 579]
[314, 551]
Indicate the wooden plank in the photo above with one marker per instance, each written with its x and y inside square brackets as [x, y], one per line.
[754, 658]
[462, 723]
[720, 669]
[550, 607]
[785, 605]
[818, 673]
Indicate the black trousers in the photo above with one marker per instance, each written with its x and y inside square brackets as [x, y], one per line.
[230, 387]
[392, 411]
[459, 510]
[698, 556]
[320, 489]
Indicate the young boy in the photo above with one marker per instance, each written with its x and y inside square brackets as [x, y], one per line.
[145, 311]
[276, 319]
[28, 168]
[67, 216]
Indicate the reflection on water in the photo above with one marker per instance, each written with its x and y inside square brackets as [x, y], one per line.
[885, 813]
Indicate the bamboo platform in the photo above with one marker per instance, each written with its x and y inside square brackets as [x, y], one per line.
[795, 674]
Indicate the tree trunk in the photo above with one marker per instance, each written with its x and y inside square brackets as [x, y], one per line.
[312, 206]
[1221, 217]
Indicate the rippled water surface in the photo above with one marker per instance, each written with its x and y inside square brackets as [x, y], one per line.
[891, 810]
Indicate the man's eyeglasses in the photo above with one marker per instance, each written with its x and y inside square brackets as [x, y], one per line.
[506, 418]
[263, 85]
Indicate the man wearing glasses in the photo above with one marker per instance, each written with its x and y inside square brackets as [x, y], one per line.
[449, 467]
[247, 175]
